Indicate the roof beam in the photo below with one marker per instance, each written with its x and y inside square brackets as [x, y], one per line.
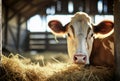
[10, 7]
[24, 5]
[39, 8]
[14, 2]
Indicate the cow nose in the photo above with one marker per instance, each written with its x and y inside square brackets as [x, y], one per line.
[80, 59]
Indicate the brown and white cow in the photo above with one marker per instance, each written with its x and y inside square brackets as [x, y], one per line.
[87, 43]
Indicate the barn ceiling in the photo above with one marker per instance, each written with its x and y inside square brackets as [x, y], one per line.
[27, 8]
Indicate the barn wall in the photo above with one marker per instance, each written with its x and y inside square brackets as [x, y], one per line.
[23, 26]
[13, 22]
[14, 43]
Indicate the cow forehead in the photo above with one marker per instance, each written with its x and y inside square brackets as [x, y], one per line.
[81, 16]
[81, 22]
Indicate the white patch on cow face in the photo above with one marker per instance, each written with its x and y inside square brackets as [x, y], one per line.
[79, 39]
[110, 47]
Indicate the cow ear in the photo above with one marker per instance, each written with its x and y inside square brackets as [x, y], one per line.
[56, 26]
[104, 27]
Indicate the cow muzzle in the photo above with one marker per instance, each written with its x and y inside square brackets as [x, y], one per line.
[80, 59]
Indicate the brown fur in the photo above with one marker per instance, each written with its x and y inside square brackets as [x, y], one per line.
[100, 55]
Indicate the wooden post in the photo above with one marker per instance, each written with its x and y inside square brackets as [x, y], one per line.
[6, 26]
[0, 31]
[18, 33]
[117, 37]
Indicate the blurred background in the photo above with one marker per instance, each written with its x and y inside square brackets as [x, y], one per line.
[25, 23]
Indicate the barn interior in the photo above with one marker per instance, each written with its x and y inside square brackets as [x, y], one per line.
[25, 22]
[25, 32]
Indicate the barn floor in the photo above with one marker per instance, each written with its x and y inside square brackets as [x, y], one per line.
[50, 66]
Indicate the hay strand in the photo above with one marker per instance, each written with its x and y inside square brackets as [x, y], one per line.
[17, 68]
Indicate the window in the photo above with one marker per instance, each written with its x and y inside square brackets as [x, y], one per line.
[64, 19]
[35, 24]
[40, 23]
[70, 7]
[99, 18]
[100, 6]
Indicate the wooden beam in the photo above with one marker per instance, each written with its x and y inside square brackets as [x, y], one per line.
[24, 20]
[87, 6]
[30, 2]
[14, 2]
[39, 8]
[93, 7]
[6, 26]
[12, 8]
[15, 13]
[12, 34]
[40, 2]
[0, 30]
[110, 6]
[117, 37]
[18, 33]
[29, 10]
[6, 5]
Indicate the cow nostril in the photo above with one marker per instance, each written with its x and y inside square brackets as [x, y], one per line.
[75, 58]
[84, 58]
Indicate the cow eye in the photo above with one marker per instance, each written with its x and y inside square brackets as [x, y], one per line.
[68, 35]
[92, 35]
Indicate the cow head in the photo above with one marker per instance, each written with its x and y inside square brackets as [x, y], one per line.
[79, 33]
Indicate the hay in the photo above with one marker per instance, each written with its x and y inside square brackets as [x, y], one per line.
[15, 69]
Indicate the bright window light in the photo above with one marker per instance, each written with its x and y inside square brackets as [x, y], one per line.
[64, 19]
[70, 7]
[100, 6]
[99, 18]
[35, 24]
[50, 10]
[40, 24]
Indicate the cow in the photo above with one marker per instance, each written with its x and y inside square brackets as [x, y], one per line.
[87, 43]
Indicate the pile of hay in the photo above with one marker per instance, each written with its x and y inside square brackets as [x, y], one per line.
[15, 69]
